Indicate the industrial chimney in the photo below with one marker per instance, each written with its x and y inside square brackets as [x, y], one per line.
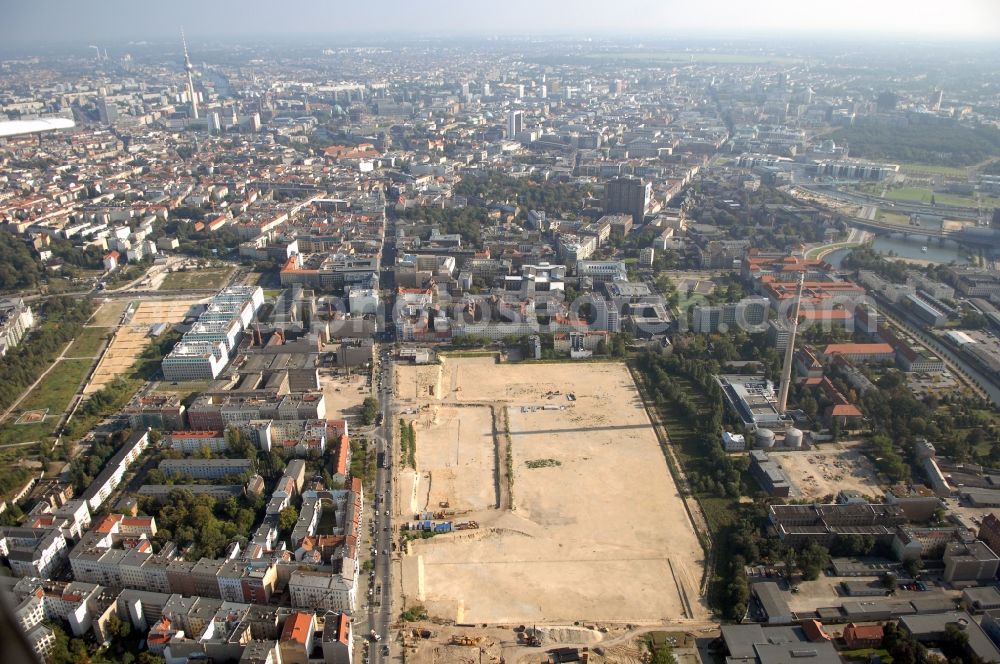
[786, 369]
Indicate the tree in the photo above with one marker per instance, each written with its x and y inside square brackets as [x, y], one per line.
[146, 657]
[119, 628]
[78, 651]
[286, 520]
[238, 444]
[890, 582]
[808, 404]
[812, 559]
[661, 653]
[369, 410]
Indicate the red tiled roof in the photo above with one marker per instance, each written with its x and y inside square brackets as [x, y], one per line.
[297, 628]
[845, 410]
[342, 628]
[865, 631]
[858, 349]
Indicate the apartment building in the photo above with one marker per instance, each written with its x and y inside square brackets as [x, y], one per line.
[205, 469]
[155, 410]
[322, 590]
[193, 442]
[111, 475]
[749, 314]
[16, 318]
[212, 412]
[33, 551]
[202, 360]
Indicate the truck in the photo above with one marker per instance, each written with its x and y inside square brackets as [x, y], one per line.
[375, 636]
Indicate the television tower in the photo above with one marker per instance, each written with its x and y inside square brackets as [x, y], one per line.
[786, 369]
[190, 74]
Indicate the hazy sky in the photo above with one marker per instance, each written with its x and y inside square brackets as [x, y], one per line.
[24, 22]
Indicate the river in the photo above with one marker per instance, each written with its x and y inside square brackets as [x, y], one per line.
[938, 250]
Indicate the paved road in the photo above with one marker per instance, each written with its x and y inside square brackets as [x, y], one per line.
[380, 602]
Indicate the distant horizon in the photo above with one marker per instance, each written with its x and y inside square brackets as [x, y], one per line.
[696, 41]
[51, 23]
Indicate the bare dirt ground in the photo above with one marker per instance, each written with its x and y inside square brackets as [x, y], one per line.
[617, 645]
[164, 311]
[455, 454]
[828, 470]
[130, 339]
[125, 348]
[343, 394]
[597, 530]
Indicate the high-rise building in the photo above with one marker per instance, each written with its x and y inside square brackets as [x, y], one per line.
[514, 123]
[936, 98]
[646, 256]
[107, 111]
[627, 195]
[749, 315]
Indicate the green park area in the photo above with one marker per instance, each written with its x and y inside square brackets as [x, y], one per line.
[88, 342]
[53, 394]
[889, 217]
[932, 169]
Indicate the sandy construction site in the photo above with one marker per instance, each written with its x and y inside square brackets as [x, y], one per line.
[829, 470]
[595, 528]
[131, 339]
[344, 394]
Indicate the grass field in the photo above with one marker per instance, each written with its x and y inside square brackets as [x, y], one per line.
[24, 433]
[88, 342]
[212, 277]
[55, 391]
[109, 313]
[892, 217]
[930, 169]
